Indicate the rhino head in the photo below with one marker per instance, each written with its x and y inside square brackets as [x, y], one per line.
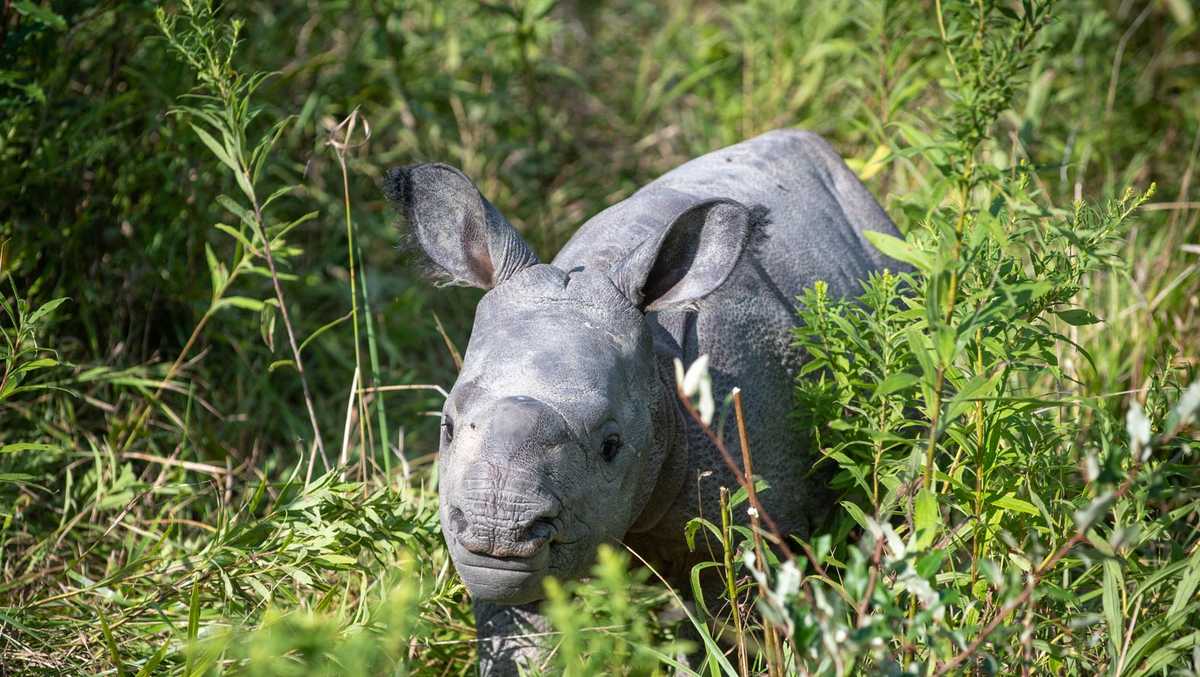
[559, 433]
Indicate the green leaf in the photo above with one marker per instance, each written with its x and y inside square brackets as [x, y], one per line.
[300, 576]
[18, 447]
[237, 210]
[15, 79]
[945, 343]
[15, 477]
[930, 562]
[34, 365]
[261, 590]
[239, 302]
[266, 325]
[713, 650]
[1161, 658]
[217, 149]
[1077, 317]
[856, 513]
[1187, 586]
[243, 182]
[694, 525]
[1181, 11]
[899, 250]
[193, 625]
[916, 343]
[152, 663]
[976, 388]
[40, 14]
[1010, 502]
[279, 192]
[218, 275]
[235, 234]
[926, 518]
[44, 310]
[1114, 583]
[324, 328]
[537, 10]
[337, 560]
[262, 151]
[741, 495]
[278, 232]
[110, 644]
[893, 383]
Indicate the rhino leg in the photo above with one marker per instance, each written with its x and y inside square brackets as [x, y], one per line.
[510, 638]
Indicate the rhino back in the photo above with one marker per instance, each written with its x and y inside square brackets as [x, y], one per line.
[816, 209]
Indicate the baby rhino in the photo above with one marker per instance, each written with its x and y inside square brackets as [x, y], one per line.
[564, 430]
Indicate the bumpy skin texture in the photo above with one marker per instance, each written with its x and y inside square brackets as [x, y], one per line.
[510, 636]
[563, 430]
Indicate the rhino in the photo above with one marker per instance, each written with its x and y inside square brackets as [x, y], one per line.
[564, 429]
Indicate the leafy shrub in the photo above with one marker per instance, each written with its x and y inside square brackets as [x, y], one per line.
[947, 399]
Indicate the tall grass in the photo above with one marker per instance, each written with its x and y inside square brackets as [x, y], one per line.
[215, 370]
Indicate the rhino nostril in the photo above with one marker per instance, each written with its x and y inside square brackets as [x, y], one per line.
[458, 523]
[539, 531]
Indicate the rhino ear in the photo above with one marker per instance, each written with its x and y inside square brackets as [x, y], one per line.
[688, 260]
[464, 238]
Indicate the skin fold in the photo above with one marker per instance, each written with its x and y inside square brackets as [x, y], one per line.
[563, 430]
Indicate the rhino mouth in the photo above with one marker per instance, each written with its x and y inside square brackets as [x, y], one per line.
[503, 580]
[538, 562]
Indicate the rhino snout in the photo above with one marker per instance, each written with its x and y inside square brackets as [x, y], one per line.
[501, 536]
[500, 542]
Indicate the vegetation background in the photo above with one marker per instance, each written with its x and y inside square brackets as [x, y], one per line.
[215, 452]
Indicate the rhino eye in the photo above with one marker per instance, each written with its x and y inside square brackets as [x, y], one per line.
[612, 444]
[448, 427]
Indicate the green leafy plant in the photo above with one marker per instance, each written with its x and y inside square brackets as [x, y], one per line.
[604, 625]
[22, 361]
[225, 111]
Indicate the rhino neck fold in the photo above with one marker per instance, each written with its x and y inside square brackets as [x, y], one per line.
[673, 443]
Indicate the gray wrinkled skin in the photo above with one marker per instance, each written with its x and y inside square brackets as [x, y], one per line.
[563, 430]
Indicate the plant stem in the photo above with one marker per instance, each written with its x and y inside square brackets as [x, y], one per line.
[283, 311]
[980, 437]
[774, 653]
[941, 22]
[864, 605]
[939, 381]
[730, 581]
[373, 354]
[353, 277]
[740, 478]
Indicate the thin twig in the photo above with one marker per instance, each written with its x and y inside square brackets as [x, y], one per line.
[1169, 206]
[731, 582]
[287, 321]
[864, 604]
[415, 386]
[1115, 75]
[771, 639]
[777, 536]
[740, 477]
[186, 465]
[341, 146]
